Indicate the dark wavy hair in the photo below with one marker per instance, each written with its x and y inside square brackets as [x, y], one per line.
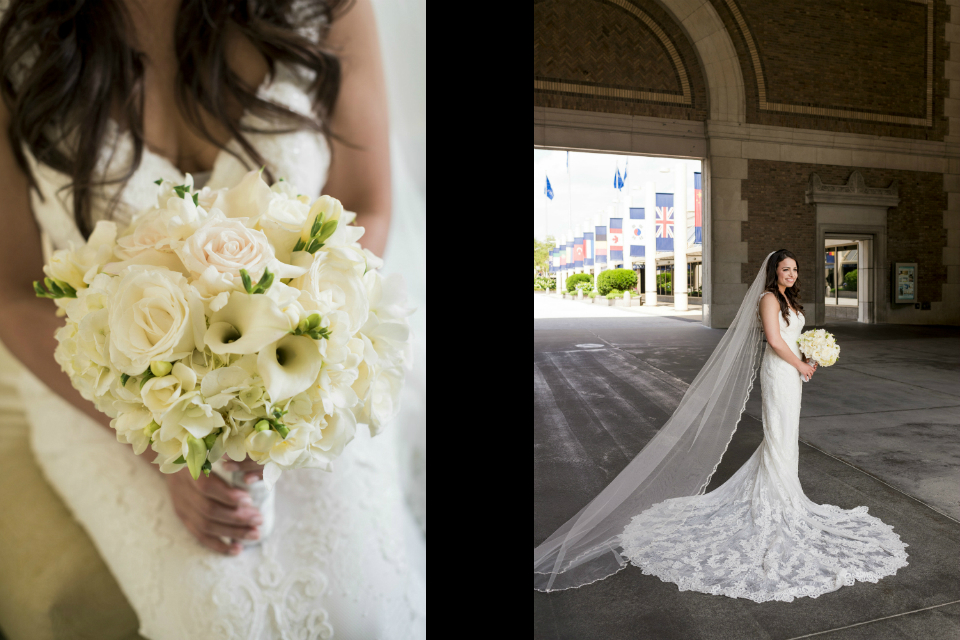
[792, 298]
[70, 60]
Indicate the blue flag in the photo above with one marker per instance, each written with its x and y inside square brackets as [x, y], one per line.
[627, 166]
[548, 190]
[617, 180]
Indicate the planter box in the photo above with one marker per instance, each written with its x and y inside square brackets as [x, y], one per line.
[611, 301]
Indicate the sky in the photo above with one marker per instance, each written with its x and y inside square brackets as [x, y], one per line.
[589, 188]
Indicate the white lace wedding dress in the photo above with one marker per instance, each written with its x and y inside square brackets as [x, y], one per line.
[758, 536]
[342, 560]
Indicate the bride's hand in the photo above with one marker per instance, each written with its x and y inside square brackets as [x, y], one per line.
[254, 471]
[806, 370]
[209, 509]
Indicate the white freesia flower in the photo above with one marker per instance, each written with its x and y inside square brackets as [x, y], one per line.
[191, 414]
[159, 394]
[131, 427]
[246, 324]
[289, 366]
[77, 267]
[150, 319]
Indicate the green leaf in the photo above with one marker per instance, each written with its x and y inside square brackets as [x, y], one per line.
[68, 291]
[39, 290]
[299, 245]
[195, 199]
[314, 245]
[158, 181]
[196, 455]
[180, 460]
[123, 379]
[281, 429]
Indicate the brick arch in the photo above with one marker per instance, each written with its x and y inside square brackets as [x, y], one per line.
[718, 57]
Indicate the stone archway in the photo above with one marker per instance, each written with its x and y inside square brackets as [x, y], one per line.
[718, 57]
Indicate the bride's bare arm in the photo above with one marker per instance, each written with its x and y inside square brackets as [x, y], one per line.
[207, 507]
[360, 175]
[769, 312]
[28, 323]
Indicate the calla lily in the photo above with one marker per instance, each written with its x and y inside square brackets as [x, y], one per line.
[246, 324]
[289, 366]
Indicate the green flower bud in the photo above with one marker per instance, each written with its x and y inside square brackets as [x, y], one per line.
[263, 425]
[196, 455]
[160, 368]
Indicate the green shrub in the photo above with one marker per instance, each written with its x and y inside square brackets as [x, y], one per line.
[586, 287]
[621, 279]
[537, 288]
[665, 282]
[850, 281]
[578, 277]
[593, 294]
[613, 294]
[544, 282]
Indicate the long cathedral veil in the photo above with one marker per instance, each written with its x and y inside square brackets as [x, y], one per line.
[679, 461]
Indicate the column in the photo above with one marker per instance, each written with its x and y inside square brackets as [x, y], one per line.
[680, 240]
[650, 243]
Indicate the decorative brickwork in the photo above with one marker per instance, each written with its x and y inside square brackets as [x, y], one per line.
[851, 67]
[779, 219]
[615, 56]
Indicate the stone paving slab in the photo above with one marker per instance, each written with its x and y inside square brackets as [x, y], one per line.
[595, 407]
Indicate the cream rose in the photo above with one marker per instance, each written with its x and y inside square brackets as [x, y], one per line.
[227, 245]
[150, 319]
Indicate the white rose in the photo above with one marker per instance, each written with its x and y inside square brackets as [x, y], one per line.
[334, 281]
[150, 319]
[228, 246]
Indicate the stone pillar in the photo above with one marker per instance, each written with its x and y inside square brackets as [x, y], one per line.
[650, 243]
[680, 240]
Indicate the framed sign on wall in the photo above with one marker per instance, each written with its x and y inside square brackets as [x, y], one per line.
[904, 282]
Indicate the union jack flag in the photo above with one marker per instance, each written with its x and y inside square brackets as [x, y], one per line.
[664, 222]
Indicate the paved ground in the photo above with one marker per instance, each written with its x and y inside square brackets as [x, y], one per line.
[878, 429]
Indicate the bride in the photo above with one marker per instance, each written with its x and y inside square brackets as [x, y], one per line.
[757, 536]
[102, 99]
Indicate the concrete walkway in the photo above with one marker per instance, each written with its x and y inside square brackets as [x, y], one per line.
[879, 428]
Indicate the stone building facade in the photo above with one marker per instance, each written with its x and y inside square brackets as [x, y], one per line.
[864, 96]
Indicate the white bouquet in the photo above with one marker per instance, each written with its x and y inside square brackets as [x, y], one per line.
[233, 322]
[819, 345]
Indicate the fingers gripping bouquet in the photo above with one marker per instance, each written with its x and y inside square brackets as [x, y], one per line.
[232, 322]
[819, 346]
